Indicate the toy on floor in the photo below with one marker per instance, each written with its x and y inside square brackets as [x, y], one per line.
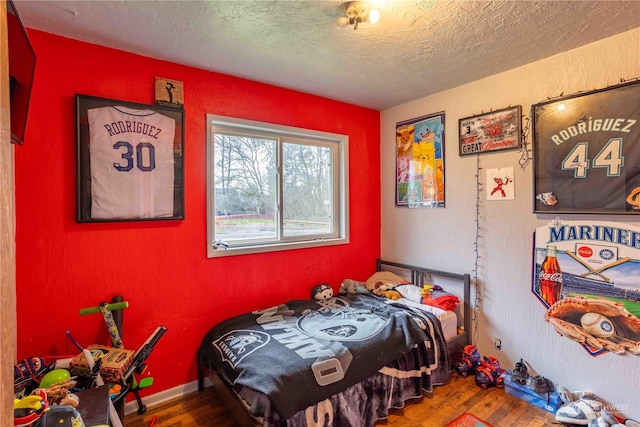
[28, 373]
[470, 361]
[489, 373]
[60, 416]
[56, 384]
[130, 382]
[138, 366]
[29, 409]
[114, 417]
[106, 310]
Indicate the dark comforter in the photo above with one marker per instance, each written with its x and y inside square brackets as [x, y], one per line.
[304, 351]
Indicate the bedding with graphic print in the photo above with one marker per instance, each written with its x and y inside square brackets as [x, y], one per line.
[286, 359]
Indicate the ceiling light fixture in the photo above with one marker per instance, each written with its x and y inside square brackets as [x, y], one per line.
[358, 12]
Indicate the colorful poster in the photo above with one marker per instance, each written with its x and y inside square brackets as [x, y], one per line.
[588, 276]
[420, 162]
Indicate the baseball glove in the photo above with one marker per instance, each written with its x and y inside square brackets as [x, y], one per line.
[565, 317]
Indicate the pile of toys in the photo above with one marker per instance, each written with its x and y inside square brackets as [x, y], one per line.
[43, 395]
[486, 369]
[45, 388]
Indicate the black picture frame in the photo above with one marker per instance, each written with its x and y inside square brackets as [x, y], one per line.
[586, 152]
[131, 167]
[494, 131]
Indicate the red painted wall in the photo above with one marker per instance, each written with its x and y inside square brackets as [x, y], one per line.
[161, 268]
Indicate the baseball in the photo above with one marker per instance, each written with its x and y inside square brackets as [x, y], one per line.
[597, 325]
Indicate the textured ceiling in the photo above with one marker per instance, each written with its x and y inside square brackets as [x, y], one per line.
[418, 48]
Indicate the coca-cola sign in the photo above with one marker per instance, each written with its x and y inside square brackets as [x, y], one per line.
[585, 251]
[553, 277]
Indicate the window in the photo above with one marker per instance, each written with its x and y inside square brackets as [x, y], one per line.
[273, 187]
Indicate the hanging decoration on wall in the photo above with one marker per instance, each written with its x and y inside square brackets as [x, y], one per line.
[420, 162]
[493, 131]
[169, 93]
[525, 151]
[500, 184]
[129, 161]
[586, 152]
[586, 274]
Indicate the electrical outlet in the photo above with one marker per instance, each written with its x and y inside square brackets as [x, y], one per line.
[498, 343]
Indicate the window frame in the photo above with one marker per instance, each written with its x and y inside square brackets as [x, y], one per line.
[289, 134]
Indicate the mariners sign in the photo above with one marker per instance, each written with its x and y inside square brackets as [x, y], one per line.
[597, 262]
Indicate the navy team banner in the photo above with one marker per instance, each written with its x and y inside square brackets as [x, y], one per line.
[587, 152]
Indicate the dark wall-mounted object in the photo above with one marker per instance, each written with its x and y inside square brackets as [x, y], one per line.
[22, 64]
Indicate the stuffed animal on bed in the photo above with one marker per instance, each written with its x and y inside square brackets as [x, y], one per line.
[350, 286]
[384, 279]
[321, 292]
[389, 293]
[435, 296]
[427, 297]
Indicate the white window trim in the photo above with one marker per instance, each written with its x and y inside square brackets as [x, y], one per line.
[235, 124]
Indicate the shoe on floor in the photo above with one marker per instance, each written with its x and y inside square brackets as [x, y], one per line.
[580, 412]
[598, 422]
[573, 396]
[540, 384]
[565, 395]
[605, 420]
[520, 373]
[608, 417]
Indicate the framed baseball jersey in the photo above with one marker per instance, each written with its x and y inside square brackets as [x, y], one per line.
[586, 152]
[129, 161]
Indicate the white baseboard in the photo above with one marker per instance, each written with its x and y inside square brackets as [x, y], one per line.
[164, 396]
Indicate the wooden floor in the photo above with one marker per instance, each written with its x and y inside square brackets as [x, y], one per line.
[435, 409]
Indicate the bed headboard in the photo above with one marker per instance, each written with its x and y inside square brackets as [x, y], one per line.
[417, 278]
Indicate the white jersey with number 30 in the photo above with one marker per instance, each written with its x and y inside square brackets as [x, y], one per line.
[132, 163]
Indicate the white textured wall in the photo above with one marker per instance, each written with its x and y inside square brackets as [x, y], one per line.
[444, 238]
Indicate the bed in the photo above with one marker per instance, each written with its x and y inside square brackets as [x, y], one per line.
[343, 361]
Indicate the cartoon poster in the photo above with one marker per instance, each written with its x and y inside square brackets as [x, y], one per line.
[500, 184]
[588, 276]
[420, 162]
